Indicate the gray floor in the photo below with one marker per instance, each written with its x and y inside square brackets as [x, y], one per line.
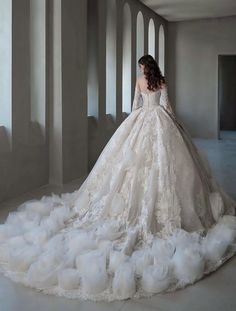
[216, 292]
[228, 135]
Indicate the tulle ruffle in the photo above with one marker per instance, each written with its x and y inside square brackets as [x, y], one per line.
[39, 248]
[149, 218]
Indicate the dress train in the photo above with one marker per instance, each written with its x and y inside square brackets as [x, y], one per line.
[149, 217]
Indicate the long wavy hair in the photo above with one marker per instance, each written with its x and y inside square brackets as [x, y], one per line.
[152, 72]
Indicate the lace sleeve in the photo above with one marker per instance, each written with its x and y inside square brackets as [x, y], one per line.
[164, 100]
[137, 102]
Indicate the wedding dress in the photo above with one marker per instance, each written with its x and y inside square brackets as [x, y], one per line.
[149, 217]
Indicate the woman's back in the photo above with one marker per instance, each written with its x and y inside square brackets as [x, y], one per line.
[143, 84]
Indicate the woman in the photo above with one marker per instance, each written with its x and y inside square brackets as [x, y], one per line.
[149, 217]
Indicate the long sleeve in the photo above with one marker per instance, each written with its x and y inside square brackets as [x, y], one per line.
[164, 100]
[137, 101]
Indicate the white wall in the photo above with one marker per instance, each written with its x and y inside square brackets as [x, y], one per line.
[67, 141]
[23, 162]
[38, 65]
[28, 158]
[192, 66]
[5, 64]
[102, 123]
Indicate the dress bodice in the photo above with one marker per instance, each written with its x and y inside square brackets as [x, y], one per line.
[151, 99]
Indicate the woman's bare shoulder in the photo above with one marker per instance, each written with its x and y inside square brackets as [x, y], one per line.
[141, 78]
[142, 82]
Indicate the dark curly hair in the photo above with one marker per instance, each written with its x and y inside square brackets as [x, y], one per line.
[152, 72]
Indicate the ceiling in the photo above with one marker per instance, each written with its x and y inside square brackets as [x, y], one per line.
[181, 10]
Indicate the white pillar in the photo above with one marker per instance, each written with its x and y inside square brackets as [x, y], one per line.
[68, 132]
[20, 72]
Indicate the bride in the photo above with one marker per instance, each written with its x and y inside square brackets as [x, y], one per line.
[149, 217]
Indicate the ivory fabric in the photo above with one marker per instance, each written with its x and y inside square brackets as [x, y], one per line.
[150, 217]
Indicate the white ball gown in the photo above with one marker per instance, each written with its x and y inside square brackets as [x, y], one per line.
[149, 217]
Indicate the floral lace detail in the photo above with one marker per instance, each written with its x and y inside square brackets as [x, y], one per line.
[164, 100]
[137, 101]
[140, 212]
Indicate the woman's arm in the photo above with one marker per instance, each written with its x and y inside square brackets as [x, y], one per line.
[164, 99]
[137, 102]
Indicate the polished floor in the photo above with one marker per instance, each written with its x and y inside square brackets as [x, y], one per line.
[216, 292]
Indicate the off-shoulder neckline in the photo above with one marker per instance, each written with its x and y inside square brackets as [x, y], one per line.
[152, 92]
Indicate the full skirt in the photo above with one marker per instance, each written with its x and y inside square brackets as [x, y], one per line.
[149, 218]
